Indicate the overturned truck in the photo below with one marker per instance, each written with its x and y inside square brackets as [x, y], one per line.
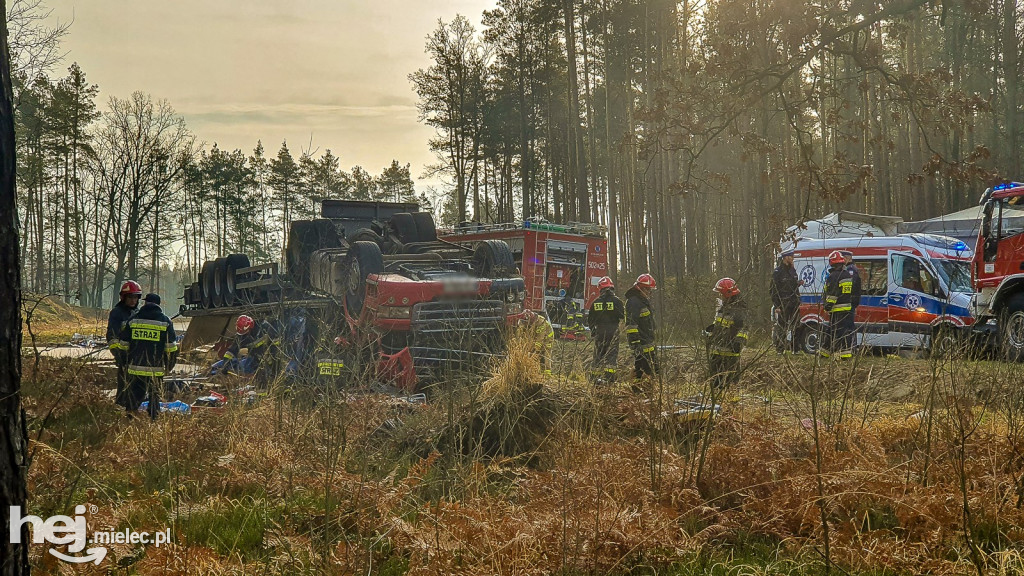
[379, 292]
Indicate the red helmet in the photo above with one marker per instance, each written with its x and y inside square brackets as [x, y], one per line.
[244, 324]
[836, 257]
[605, 282]
[646, 281]
[131, 288]
[727, 287]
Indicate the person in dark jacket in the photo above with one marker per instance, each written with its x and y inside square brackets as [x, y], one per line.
[152, 352]
[838, 300]
[126, 307]
[604, 316]
[640, 326]
[854, 272]
[255, 338]
[785, 292]
[727, 335]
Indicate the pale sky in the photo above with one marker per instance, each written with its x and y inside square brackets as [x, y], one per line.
[331, 72]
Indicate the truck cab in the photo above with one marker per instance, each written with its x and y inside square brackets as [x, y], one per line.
[998, 270]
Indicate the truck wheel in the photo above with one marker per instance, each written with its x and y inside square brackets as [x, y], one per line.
[365, 258]
[304, 238]
[233, 263]
[494, 259]
[809, 338]
[1011, 329]
[405, 227]
[220, 279]
[207, 279]
[426, 231]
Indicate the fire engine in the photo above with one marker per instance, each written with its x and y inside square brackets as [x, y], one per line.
[390, 295]
[999, 269]
[559, 262]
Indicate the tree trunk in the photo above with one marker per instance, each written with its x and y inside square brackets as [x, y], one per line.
[13, 464]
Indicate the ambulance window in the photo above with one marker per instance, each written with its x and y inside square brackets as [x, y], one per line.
[874, 277]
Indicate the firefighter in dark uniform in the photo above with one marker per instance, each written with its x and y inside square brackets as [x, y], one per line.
[785, 292]
[255, 339]
[840, 287]
[604, 316]
[726, 335]
[152, 351]
[640, 326]
[572, 329]
[120, 314]
[543, 334]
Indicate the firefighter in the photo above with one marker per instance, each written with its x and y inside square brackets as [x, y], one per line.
[855, 273]
[640, 326]
[785, 291]
[604, 317]
[121, 313]
[573, 326]
[152, 351]
[840, 287]
[255, 339]
[543, 335]
[726, 335]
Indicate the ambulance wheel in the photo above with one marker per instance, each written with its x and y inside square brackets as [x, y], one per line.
[494, 259]
[365, 258]
[809, 338]
[946, 341]
[1011, 329]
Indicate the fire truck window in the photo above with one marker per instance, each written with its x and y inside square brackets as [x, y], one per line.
[990, 231]
[874, 277]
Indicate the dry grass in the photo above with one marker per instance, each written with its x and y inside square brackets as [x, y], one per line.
[534, 475]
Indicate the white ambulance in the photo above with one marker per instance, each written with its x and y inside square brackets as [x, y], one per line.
[916, 289]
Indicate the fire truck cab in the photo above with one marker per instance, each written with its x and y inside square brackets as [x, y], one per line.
[999, 268]
[560, 263]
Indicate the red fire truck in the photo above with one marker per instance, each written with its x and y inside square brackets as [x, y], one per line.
[558, 261]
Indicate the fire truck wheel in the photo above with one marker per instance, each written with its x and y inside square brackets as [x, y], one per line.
[494, 259]
[1011, 329]
[220, 277]
[365, 258]
[234, 262]
[809, 337]
[206, 281]
[405, 227]
[425, 229]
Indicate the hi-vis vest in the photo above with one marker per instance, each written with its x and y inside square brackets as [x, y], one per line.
[150, 338]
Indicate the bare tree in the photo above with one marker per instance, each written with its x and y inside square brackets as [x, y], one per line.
[142, 150]
[34, 44]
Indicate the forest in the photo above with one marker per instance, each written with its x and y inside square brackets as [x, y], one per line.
[701, 128]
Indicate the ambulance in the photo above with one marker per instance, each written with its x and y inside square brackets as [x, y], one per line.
[916, 289]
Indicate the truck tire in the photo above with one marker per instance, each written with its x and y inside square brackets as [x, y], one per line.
[220, 280]
[426, 231]
[234, 262]
[405, 227]
[304, 238]
[365, 258]
[493, 259]
[1011, 329]
[207, 278]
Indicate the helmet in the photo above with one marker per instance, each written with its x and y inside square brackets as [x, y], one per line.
[244, 324]
[131, 288]
[605, 282]
[727, 287]
[646, 281]
[836, 257]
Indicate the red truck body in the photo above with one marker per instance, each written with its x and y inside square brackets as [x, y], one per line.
[555, 260]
